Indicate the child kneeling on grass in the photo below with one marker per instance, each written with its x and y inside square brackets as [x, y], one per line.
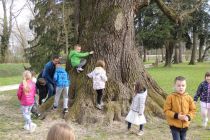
[179, 109]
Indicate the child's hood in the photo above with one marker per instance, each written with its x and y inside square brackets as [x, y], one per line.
[98, 70]
[178, 94]
[60, 69]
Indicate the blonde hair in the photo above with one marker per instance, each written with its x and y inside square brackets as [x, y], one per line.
[100, 63]
[26, 76]
[60, 131]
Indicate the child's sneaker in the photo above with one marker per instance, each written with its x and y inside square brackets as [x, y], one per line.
[26, 127]
[102, 103]
[79, 70]
[140, 133]
[32, 127]
[44, 100]
[99, 106]
[65, 110]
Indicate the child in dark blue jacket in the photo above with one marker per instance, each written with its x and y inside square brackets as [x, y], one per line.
[62, 83]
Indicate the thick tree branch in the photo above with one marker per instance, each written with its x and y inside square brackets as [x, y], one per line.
[174, 15]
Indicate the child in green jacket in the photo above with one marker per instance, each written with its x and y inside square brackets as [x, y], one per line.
[77, 58]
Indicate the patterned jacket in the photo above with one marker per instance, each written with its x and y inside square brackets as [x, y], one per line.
[202, 93]
[138, 103]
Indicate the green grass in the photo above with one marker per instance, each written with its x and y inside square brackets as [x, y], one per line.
[193, 73]
[10, 73]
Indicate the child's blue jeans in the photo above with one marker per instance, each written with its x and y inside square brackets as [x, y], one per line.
[178, 133]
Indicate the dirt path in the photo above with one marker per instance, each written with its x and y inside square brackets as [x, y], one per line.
[11, 126]
[9, 87]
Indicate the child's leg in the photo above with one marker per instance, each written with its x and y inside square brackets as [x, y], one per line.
[183, 134]
[204, 116]
[129, 125]
[175, 133]
[50, 90]
[26, 110]
[82, 63]
[141, 127]
[57, 96]
[99, 95]
[65, 97]
[208, 110]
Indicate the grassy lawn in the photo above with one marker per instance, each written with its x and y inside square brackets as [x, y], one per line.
[11, 121]
[10, 73]
[193, 73]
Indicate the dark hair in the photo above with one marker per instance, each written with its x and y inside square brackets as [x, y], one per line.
[179, 78]
[207, 74]
[139, 87]
[55, 57]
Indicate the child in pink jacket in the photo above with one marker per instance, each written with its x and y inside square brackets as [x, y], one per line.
[26, 93]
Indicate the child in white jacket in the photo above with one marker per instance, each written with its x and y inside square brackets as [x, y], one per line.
[99, 79]
[136, 113]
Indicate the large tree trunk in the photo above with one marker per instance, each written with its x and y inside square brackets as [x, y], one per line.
[176, 54]
[7, 27]
[201, 44]
[169, 52]
[107, 28]
[180, 52]
[193, 55]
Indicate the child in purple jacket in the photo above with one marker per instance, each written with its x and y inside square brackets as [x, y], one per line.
[203, 92]
[26, 93]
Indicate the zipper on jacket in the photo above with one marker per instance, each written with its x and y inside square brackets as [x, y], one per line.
[181, 110]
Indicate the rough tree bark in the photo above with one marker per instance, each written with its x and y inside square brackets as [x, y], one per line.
[107, 27]
[193, 55]
[7, 28]
[169, 52]
[176, 54]
[180, 51]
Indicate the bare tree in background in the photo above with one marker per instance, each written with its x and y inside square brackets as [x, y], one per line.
[7, 28]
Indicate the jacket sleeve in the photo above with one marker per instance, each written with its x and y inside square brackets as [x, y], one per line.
[198, 92]
[168, 107]
[20, 91]
[80, 54]
[90, 75]
[142, 104]
[69, 78]
[46, 75]
[104, 77]
[55, 78]
[192, 108]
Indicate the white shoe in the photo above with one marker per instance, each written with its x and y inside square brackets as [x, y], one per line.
[44, 100]
[79, 69]
[99, 106]
[32, 127]
[102, 103]
[140, 133]
[26, 127]
[204, 124]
